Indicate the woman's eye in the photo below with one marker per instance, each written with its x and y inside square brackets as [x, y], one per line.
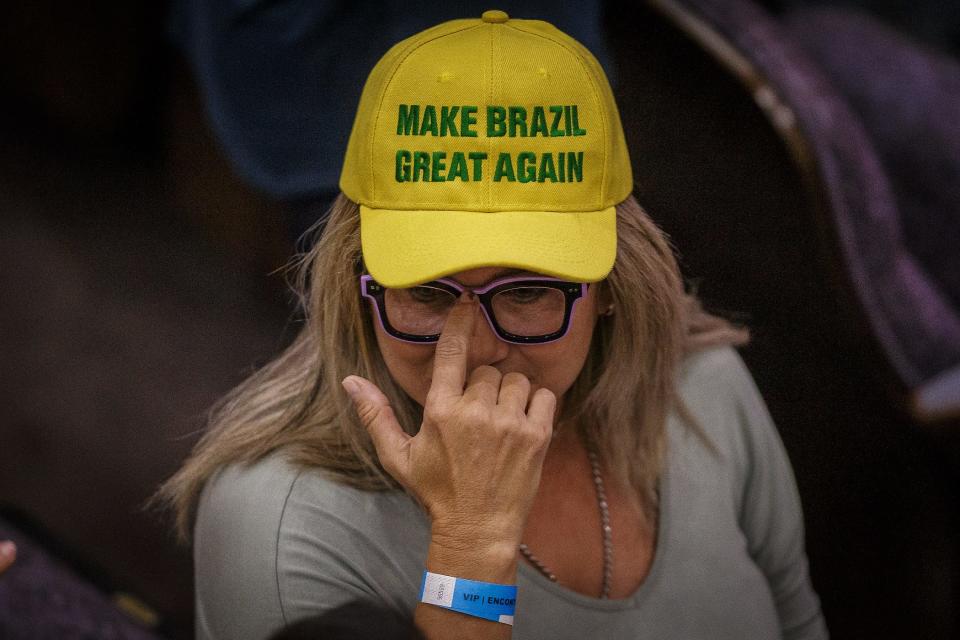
[428, 295]
[525, 295]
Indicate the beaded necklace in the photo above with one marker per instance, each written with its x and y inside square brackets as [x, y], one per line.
[604, 525]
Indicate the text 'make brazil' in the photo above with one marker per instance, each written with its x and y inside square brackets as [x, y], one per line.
[548, 121]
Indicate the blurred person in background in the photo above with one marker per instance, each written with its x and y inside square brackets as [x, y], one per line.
[279, 81]
[8, 555]
[356, 619]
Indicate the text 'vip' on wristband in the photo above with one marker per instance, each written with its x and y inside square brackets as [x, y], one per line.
[487, 600]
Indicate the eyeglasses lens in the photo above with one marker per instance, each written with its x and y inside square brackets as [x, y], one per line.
[528, 311]
[419, 311]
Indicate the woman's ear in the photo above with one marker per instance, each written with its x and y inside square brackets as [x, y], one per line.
[605, 306]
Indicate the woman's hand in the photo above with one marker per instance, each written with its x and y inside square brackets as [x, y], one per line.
[475, 463]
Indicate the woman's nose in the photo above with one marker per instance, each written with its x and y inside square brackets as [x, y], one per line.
[485, 346]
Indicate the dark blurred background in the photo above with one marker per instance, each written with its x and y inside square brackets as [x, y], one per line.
[804, 159]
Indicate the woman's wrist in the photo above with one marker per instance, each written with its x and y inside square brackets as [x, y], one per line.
[476, 557]
[494, 531]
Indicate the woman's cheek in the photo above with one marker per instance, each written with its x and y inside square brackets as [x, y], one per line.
[410, 365]
[556, 366]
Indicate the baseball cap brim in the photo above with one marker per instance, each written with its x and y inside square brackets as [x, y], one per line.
[402, 248]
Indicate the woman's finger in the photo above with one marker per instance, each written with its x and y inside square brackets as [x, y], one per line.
[483, 385]
[542, 407]
[8, 553]
[389, 439]
[450, 357]
[514, 392]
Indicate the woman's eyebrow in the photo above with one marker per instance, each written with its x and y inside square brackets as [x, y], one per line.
[506, 273]
[513, 272]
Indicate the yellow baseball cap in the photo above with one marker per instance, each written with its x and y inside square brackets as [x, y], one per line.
[487, 142]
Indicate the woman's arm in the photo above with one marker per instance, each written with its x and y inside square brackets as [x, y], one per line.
[474, 465]
[486, 563]
[771, 515]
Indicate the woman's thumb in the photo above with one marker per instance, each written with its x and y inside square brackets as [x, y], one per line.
[381, 423]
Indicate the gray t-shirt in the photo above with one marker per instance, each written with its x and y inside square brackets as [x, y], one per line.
[274, 544]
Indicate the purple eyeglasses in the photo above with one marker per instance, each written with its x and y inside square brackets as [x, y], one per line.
[519, 309]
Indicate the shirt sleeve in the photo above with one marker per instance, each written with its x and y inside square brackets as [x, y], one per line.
[274, 544]
[338, 544]
[770, 513]
[234, 552]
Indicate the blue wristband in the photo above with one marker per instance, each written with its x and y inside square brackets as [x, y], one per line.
[481, 599]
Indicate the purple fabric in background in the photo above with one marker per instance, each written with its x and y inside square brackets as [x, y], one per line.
[908, 98]
[40, 597]
[909, 314]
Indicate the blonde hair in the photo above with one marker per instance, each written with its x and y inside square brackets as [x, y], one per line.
[621, 398]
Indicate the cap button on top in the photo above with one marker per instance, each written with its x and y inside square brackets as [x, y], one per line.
[494, 16]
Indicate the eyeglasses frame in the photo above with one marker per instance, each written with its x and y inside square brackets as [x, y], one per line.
[572, 291]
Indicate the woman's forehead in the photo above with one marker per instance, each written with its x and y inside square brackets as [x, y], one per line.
[482, 275]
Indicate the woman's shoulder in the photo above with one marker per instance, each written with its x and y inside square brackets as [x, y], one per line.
[234, 548]
[714, 368]
[244, 499]
[285, 540]
[274, 493]
[717, 389]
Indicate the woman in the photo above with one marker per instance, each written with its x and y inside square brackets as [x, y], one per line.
[502, 408]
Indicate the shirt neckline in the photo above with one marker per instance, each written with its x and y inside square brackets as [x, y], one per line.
[660, 551]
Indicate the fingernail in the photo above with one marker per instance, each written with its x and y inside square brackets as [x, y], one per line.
[7, 548]
[350, 385]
